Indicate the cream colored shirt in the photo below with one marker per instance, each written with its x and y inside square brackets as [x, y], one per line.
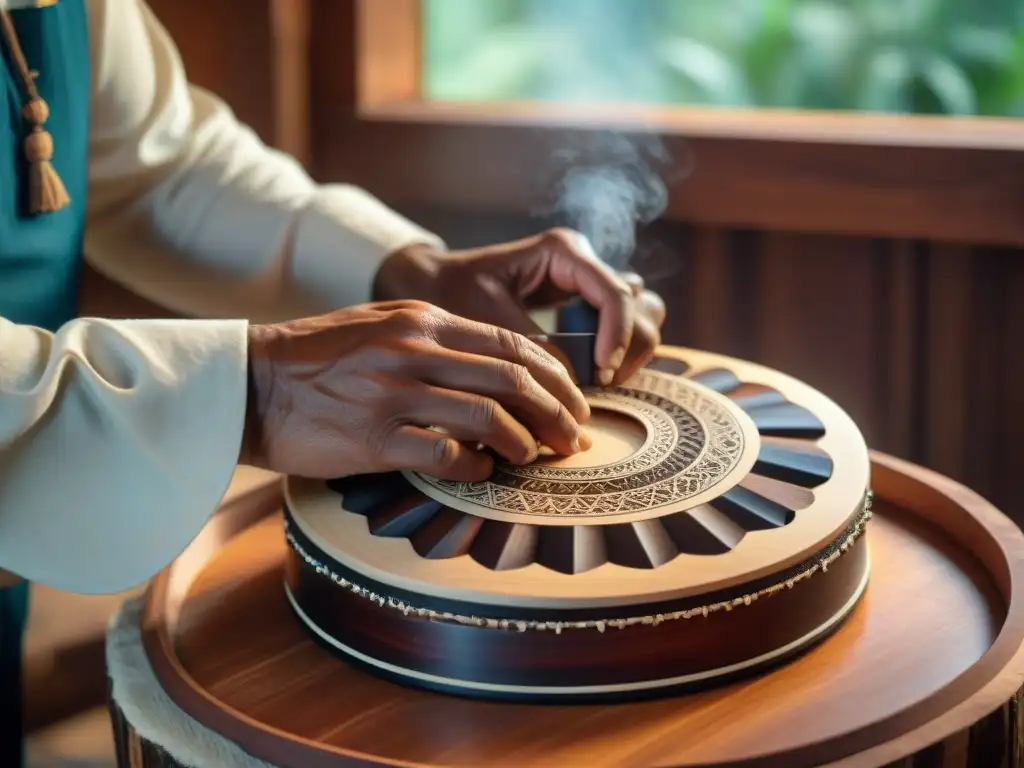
[118, 438]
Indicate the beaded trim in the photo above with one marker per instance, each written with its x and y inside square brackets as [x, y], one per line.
[820, 562]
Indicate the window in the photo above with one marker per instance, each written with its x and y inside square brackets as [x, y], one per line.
[424, 105]
[948, 57]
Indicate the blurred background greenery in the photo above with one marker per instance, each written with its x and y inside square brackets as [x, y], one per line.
[953, 57]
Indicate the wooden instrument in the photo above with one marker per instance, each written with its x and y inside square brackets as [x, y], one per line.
[716, 528]
[516, 589]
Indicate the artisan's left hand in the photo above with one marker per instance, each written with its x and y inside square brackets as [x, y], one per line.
[498, 284]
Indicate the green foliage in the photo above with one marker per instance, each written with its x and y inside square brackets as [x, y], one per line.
[953, 57]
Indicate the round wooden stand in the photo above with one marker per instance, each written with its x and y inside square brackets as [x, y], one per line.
[928, 665]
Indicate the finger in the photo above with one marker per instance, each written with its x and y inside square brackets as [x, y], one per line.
[510, 387]
[472, 418]
[651, 305]
[646, 339]
[435, 454]
[493, 305]
[485, 340]
[573, 267]
[634, 281]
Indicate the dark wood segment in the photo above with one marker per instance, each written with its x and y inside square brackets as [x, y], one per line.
[692, 538]
[751, 510]
[577, 349]
[748, 396]
[669, 365]
[639, 545]
[642, 652]
[786, 420]
[403, 516]
[807, 470]
[365, 492]
[718, 379]
[571, 549]
[503, 546]
[449, 533]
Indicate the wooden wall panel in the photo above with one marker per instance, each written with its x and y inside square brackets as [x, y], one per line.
[227, 48]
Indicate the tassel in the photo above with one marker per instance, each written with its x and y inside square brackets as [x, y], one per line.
[46, 191]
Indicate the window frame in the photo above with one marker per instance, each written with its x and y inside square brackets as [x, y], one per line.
[936, 178]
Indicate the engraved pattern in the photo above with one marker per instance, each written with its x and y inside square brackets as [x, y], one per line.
[695, 443]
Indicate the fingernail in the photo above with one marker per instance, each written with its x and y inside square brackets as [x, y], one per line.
[604, 377]
[617, 357]
[584, 441]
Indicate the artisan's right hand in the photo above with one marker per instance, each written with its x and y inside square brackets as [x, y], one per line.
[354, 391]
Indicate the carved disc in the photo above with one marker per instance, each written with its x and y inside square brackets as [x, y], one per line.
[689, 444]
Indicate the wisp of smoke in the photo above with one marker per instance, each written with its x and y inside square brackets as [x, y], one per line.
[608, 186]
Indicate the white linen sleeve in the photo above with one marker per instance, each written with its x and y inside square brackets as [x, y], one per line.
[188, 208]
[117, 441]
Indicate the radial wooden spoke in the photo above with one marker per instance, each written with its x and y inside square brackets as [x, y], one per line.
[718, 379]
[503, 546]
[361, 493]
[786, 420]
[723, 531]
[668, 365]
[639, 545]
[804, 469]
[571, 549]
[748, 396]
[449, 533]
[402, 517]
[693, 537]
[794, 497]
[752, 511]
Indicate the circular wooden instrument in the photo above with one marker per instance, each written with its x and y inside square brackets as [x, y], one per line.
[925, 672]
[714, 529]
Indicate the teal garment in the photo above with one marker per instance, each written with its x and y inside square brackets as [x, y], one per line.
[40, 256]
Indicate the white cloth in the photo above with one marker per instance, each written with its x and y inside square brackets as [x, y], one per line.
[148, 708]
[117, 439]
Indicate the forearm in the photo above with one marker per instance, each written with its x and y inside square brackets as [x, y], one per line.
[117, 441]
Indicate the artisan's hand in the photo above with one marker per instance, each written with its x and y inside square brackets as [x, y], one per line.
[497, 284]
[353, 392]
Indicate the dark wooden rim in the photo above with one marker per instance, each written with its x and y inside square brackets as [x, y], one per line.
[530, 665]
[988, 684]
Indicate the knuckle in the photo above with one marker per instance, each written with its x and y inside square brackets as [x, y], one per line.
[563, 236]
[517, 378]
[407, 318]
[563, 418]
[622, 290]
[413, 305]
[512, 343]
[418, 322]
[482, 411]
[570, 241]
[380, 440]
[634, 281]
